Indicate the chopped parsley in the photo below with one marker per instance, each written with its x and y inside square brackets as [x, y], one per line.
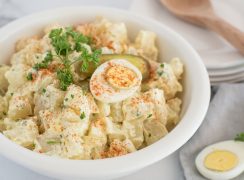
[33, 146]
[150, 115]
[72, 96]
[66, 99]
[44, 90]
[65, 77]
[29, 77]
[53, 142]
[83, 115]
[11, 94]
[160, 73]
[44, 64]
[239, 137]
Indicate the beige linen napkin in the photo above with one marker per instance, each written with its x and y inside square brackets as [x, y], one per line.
[225, 118]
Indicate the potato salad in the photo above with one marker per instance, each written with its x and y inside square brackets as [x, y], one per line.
[88, 91]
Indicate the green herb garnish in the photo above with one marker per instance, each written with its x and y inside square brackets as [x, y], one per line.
[160, 73]
[53, 142]
[44, 64]
[86, 58]
[65, 42]
[65, 77]
[72, 96]
[44, 90]
[11, 94]
[150, 115]
[83, 115]
[239, 137]
[78, 38]
[33, 146]
[29, 77]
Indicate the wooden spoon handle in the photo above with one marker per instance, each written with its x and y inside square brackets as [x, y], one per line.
[233, 35]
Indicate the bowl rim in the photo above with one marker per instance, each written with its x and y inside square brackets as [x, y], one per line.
[130, 162]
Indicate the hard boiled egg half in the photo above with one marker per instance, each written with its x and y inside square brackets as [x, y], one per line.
[221, 161]
[115, 80]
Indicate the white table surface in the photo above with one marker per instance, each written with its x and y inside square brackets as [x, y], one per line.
[168, 168]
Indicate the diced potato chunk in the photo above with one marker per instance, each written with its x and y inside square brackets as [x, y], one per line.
[48, 143]
[16, 75]
[177, 67]
[73, 144]
[92, 104]
[156, 96]
[23, 133]
[50, 120]
[3, 80]
[116, 112]
[76, 100]
[136, 107]
[48, 98]
[153, 131]
[149, 104]
[113, 129]
[134, 131]
[19, 107]
[173, 106]
[104, 109]
[164, 78]
[145, 41]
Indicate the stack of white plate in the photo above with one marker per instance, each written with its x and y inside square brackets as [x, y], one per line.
[224, 66]
[223, 62]
[229, 73]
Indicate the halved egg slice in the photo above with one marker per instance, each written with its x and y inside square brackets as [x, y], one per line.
[224, 160]
[115, 80]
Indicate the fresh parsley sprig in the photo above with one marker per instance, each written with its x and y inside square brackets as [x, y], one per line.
[82, 115]
[60, 39]
[29, 77]
[65, 42]
[60, 42]
[240, 137]
[78, 38]
[86, 58]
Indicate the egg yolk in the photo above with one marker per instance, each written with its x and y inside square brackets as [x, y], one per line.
[221, 160]
[121, 77]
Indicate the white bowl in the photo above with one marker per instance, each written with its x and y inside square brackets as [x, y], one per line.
[195, 97]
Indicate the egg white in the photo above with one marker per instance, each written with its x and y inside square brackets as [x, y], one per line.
[233, 146]
[117, 95]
